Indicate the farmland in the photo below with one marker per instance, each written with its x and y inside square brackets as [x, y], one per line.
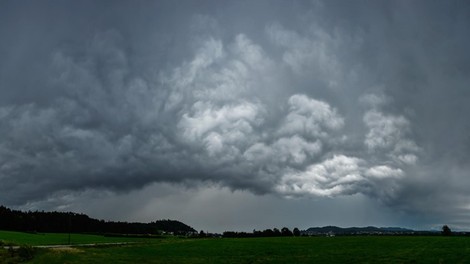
[348, 249]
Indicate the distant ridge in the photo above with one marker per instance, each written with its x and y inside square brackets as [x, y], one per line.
[62, 222]
[356, 230]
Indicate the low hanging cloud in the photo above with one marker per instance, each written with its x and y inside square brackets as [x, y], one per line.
[201, 122]
[297, 105]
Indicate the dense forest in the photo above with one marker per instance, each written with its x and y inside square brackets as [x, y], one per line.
[62, 222]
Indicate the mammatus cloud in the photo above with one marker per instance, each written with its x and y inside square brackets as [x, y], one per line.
[343, 175]
[205, 120]
[388, 133]
[339, 175]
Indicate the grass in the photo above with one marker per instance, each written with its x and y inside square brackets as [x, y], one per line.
[34, 239]
[372, 249]
[349, 249]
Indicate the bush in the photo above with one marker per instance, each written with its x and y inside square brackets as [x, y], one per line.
[25, 252]
[16, 255]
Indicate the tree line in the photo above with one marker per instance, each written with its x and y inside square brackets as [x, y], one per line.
[63, 222]
[283, 232]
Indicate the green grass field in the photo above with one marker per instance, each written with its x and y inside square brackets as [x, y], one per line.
[32, 239]
[361, 249]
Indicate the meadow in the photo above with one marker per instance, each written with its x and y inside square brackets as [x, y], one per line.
[35, 239]
[348, 249]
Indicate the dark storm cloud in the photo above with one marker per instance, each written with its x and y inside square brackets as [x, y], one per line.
[301, 99]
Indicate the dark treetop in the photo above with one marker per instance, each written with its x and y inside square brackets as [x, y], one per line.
[73, 222]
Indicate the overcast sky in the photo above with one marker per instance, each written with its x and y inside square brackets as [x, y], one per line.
[235, 115]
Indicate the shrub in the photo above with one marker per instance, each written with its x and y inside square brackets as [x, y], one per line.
[25, 252]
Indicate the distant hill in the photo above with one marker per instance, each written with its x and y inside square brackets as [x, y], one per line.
[62, 222]
[356, 230]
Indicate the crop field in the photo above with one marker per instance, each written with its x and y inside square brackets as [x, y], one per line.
[359, 249]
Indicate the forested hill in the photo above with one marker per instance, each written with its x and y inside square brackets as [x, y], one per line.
[62, 222]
